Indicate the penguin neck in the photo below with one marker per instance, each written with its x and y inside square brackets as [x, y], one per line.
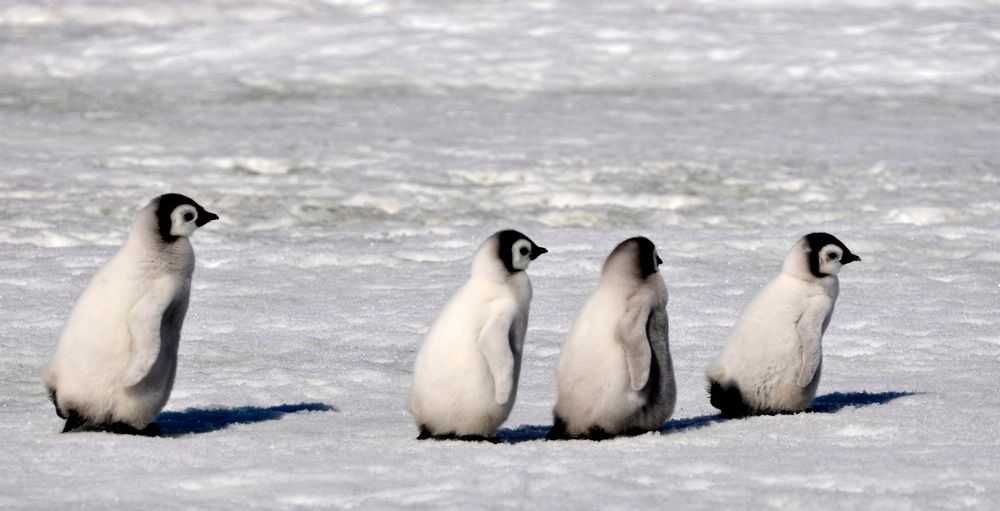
[146, 245]
[621, 270]
[796, 264]
[487, 266]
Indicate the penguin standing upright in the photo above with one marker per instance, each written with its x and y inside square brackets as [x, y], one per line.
[465, 375]
[772, 359]
[615, 373]
[117, 356]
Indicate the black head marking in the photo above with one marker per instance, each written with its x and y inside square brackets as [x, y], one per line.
[648, 261]
[168, 203]
[507, 239]
[817, 241]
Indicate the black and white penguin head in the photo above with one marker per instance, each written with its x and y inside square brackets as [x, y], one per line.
[635, 256]
[516, 250]
[827, 255]
[178, 216]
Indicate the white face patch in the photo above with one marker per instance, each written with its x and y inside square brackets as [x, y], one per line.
[830, 259]
[520, 256]
[183, 220]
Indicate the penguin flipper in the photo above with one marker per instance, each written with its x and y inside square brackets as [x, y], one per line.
[144, 321]
[631, 334]
[494, 343]
[810, 328]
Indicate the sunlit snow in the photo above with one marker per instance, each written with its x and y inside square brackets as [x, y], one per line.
[358, 151]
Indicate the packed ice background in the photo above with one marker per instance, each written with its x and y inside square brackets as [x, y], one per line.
[359, 151]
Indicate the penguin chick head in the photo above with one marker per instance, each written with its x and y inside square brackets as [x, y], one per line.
[516, 250]
[826, 254]
[178, 216]
[634, 256]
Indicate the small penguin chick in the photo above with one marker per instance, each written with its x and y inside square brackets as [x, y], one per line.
[772, 360]
[615, 373]
[116, 359]
[466, 372]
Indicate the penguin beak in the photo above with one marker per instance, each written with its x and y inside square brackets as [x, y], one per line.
[537, 251]
[849, 258]
[205, 217]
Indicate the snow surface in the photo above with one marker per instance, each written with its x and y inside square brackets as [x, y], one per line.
[358, 151]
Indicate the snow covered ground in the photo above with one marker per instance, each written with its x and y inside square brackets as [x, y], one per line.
[358, 151]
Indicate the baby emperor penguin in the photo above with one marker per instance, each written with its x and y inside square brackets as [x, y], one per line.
[772, 359]
[615, 373]
[117, 356]
[465, 375]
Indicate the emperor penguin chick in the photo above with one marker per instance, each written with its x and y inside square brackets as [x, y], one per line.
[116, 359]
[615, 373]
[466, 372]
[772, 359]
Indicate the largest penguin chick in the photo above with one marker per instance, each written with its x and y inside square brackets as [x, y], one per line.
[772, 359]
[466, 372]
[117, 355]
[615, 373]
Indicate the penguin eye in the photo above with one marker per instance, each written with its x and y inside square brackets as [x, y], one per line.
[524, 251]
[833, 256]
[188, 216]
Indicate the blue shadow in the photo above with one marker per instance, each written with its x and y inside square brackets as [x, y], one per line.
[829, 403]
[195, 420]
[837, 401]
[526, 433]
[692, 423]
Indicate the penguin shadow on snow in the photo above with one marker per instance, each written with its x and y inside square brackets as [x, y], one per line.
[197, 420]
[524, 433]
[829, 403]
[837, 401]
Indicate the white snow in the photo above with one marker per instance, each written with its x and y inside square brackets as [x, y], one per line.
[358, 151]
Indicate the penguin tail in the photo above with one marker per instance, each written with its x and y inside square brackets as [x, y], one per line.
[558, 431]
[728, 399]
[55, 402]
[74, 421]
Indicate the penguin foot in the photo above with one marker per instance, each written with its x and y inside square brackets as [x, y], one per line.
[425, 434]
[728, 400]
[468, 438]
[477, 438]
[597, 434]
[152, 430]
[558, 431]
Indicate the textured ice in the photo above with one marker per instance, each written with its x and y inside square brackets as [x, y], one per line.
[358, 152]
